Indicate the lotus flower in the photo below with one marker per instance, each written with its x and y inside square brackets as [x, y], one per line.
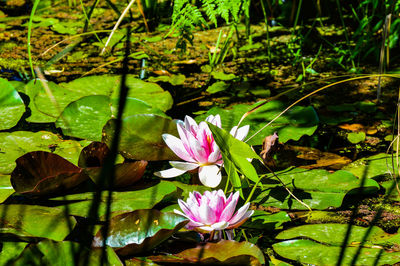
[198, 149]
[213, 211]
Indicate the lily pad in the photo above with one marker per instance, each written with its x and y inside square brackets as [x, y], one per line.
[356, 137]
[141, 137]
[64, 253]
[141, 230]
[47, 108]
[319, 189]
[373, 167]
[43, 173]
[16, 144]
[10, 250]
[144, 198]
[292, 125]
[11, 105]
[267, 221]
[226, 252]
[86, 117]
[5, 188]
[217, 87]
[35, 221]
[330, 241]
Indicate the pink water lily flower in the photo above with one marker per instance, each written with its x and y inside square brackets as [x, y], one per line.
[213, 211]
[196, 146]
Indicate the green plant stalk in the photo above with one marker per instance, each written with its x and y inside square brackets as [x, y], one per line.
[212, 61]
[35, 5]
[346, 34]
[87, 18]
[224, 51]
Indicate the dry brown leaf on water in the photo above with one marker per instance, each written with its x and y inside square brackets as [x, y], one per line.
[370, 130]
[323, 159]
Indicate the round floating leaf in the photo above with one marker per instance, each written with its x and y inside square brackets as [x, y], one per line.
[295, 123]
[10, 250]
[373, 166]
[5, 188]
[226, 252]
[11, 105]
[43, 173]
[141, 230]
[85, 117]
[329, 237]
[141, 137]
[47, 108]
[16, 144]
[267, 221]
[35, 221]
[319, 189]
[145, 198]
[313, 253]
[356, 137]
[65, 253]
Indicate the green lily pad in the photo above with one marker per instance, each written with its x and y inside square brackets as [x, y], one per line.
[140, 231]
[267, 221]
[217, 87]
[5, 188]
[313, 253]
[329, 243]
[373, 166]
[223, 76]
[226, 252]
[16, 144]
[47, 108]
[141, 137]
[35, 221]
[10, 250]
[48, 252]
[79, 204]
[295, 123]
[86, 117]
[356, 137]
[317, 188]
[11, 105]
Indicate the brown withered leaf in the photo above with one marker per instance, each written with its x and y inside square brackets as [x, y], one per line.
[42, 173]
[323, 159]
[370, 130]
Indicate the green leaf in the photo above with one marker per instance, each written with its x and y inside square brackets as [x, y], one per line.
[292, 125]
[35, 221]
[10, 250]
[330, 241]
[240, 253]
[373, 166]
[267, 221]
[96, 110]
[356, 137]
[45, 110]
[140, 231]
[79, 204]
[16, 144]
[217, 87]
[5, 187]
[11, 105]
[223, 76]
[141, 137]
[319, 189]
[64, 253]
[310, 252]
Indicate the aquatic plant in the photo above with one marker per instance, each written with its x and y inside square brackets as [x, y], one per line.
[198, 149]
[213, 211]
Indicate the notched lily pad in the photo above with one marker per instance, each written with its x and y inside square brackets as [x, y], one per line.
[141, 137]
[224, 252]
[11, 105]
[295, 123]
[139, 231]
[42, 173]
